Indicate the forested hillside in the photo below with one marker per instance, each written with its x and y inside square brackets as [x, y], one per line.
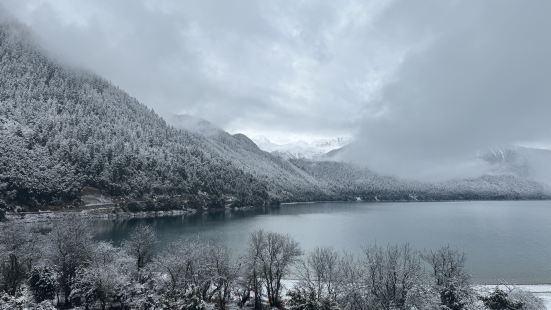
[65, 132]
[286, 181]
[63, 129]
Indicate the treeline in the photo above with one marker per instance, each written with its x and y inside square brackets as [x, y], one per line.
[66, 268]
[348, 181]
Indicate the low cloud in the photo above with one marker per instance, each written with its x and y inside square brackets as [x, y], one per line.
[301, 67]
[479, 80]
[424, 86]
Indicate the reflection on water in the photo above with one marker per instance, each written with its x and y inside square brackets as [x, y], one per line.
[504, 241]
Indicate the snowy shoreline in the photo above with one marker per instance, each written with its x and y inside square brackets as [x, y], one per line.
[110, 213]
[543, 291]
[107, 213]
[96, 214]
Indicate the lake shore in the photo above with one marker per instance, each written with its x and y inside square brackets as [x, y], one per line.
[542, 291]
[108, 211]
[111, 213]
[366, 222]
[96, 214]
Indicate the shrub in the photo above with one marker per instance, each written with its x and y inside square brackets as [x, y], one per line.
[499, 299]
[42, 283]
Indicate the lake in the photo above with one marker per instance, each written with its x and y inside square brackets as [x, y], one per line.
[504, 240]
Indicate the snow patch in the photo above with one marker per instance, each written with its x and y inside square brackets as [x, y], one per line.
[314, 149]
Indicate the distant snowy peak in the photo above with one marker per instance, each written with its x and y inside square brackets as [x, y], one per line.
[314, 149]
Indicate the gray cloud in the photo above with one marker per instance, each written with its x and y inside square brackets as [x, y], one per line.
[480, 81]
[423, 85]
[279, 67]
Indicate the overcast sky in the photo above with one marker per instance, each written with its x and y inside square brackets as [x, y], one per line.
[413, 81]
[274, 68]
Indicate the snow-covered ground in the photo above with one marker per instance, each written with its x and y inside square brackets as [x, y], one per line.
[542, 291]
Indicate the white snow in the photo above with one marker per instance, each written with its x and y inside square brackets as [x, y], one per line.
[299, 148]
[542, 291]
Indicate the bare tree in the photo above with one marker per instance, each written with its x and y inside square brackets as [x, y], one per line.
[221, 274]
[253, 270]
[201, 266]
[450, 277]
[392, 273]
[71, 248]
[140, 245]
[19, 250]
[179, 262]
[103, 279]
[274, 254]
[318, 277]
[351, 287]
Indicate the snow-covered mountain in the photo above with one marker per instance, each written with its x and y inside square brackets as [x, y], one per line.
[325, 175]
[285, 181]
[530, 163]
[63, 130]
[314, 149]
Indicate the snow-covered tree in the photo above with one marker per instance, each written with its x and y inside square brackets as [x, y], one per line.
[19, 250]
[450, 278]
[273, 255]
[42, 283]
[140, 245]
[71, 248]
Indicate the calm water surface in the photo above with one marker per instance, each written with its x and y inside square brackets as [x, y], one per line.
[504, 241]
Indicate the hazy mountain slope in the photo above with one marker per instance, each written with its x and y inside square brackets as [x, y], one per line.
[285, 181]
[523, 162]
[312, 150]
[354, 181]
[492, 187]
[62, 129]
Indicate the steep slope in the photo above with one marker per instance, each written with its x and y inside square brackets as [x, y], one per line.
[285, 181]
[523, 162]
[312, 150]
[303, 179]
[63, 129]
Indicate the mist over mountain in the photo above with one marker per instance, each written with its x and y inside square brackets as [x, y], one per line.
[530, 163]
[315, 149]
[64, 129]
[65, 132]
[474, 78]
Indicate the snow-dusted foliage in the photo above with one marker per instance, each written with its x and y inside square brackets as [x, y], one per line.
[382, 278]
[347, 181]
[42, 283]
[510, 297]
[140, 246]
[75, 272]
[270, 258]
